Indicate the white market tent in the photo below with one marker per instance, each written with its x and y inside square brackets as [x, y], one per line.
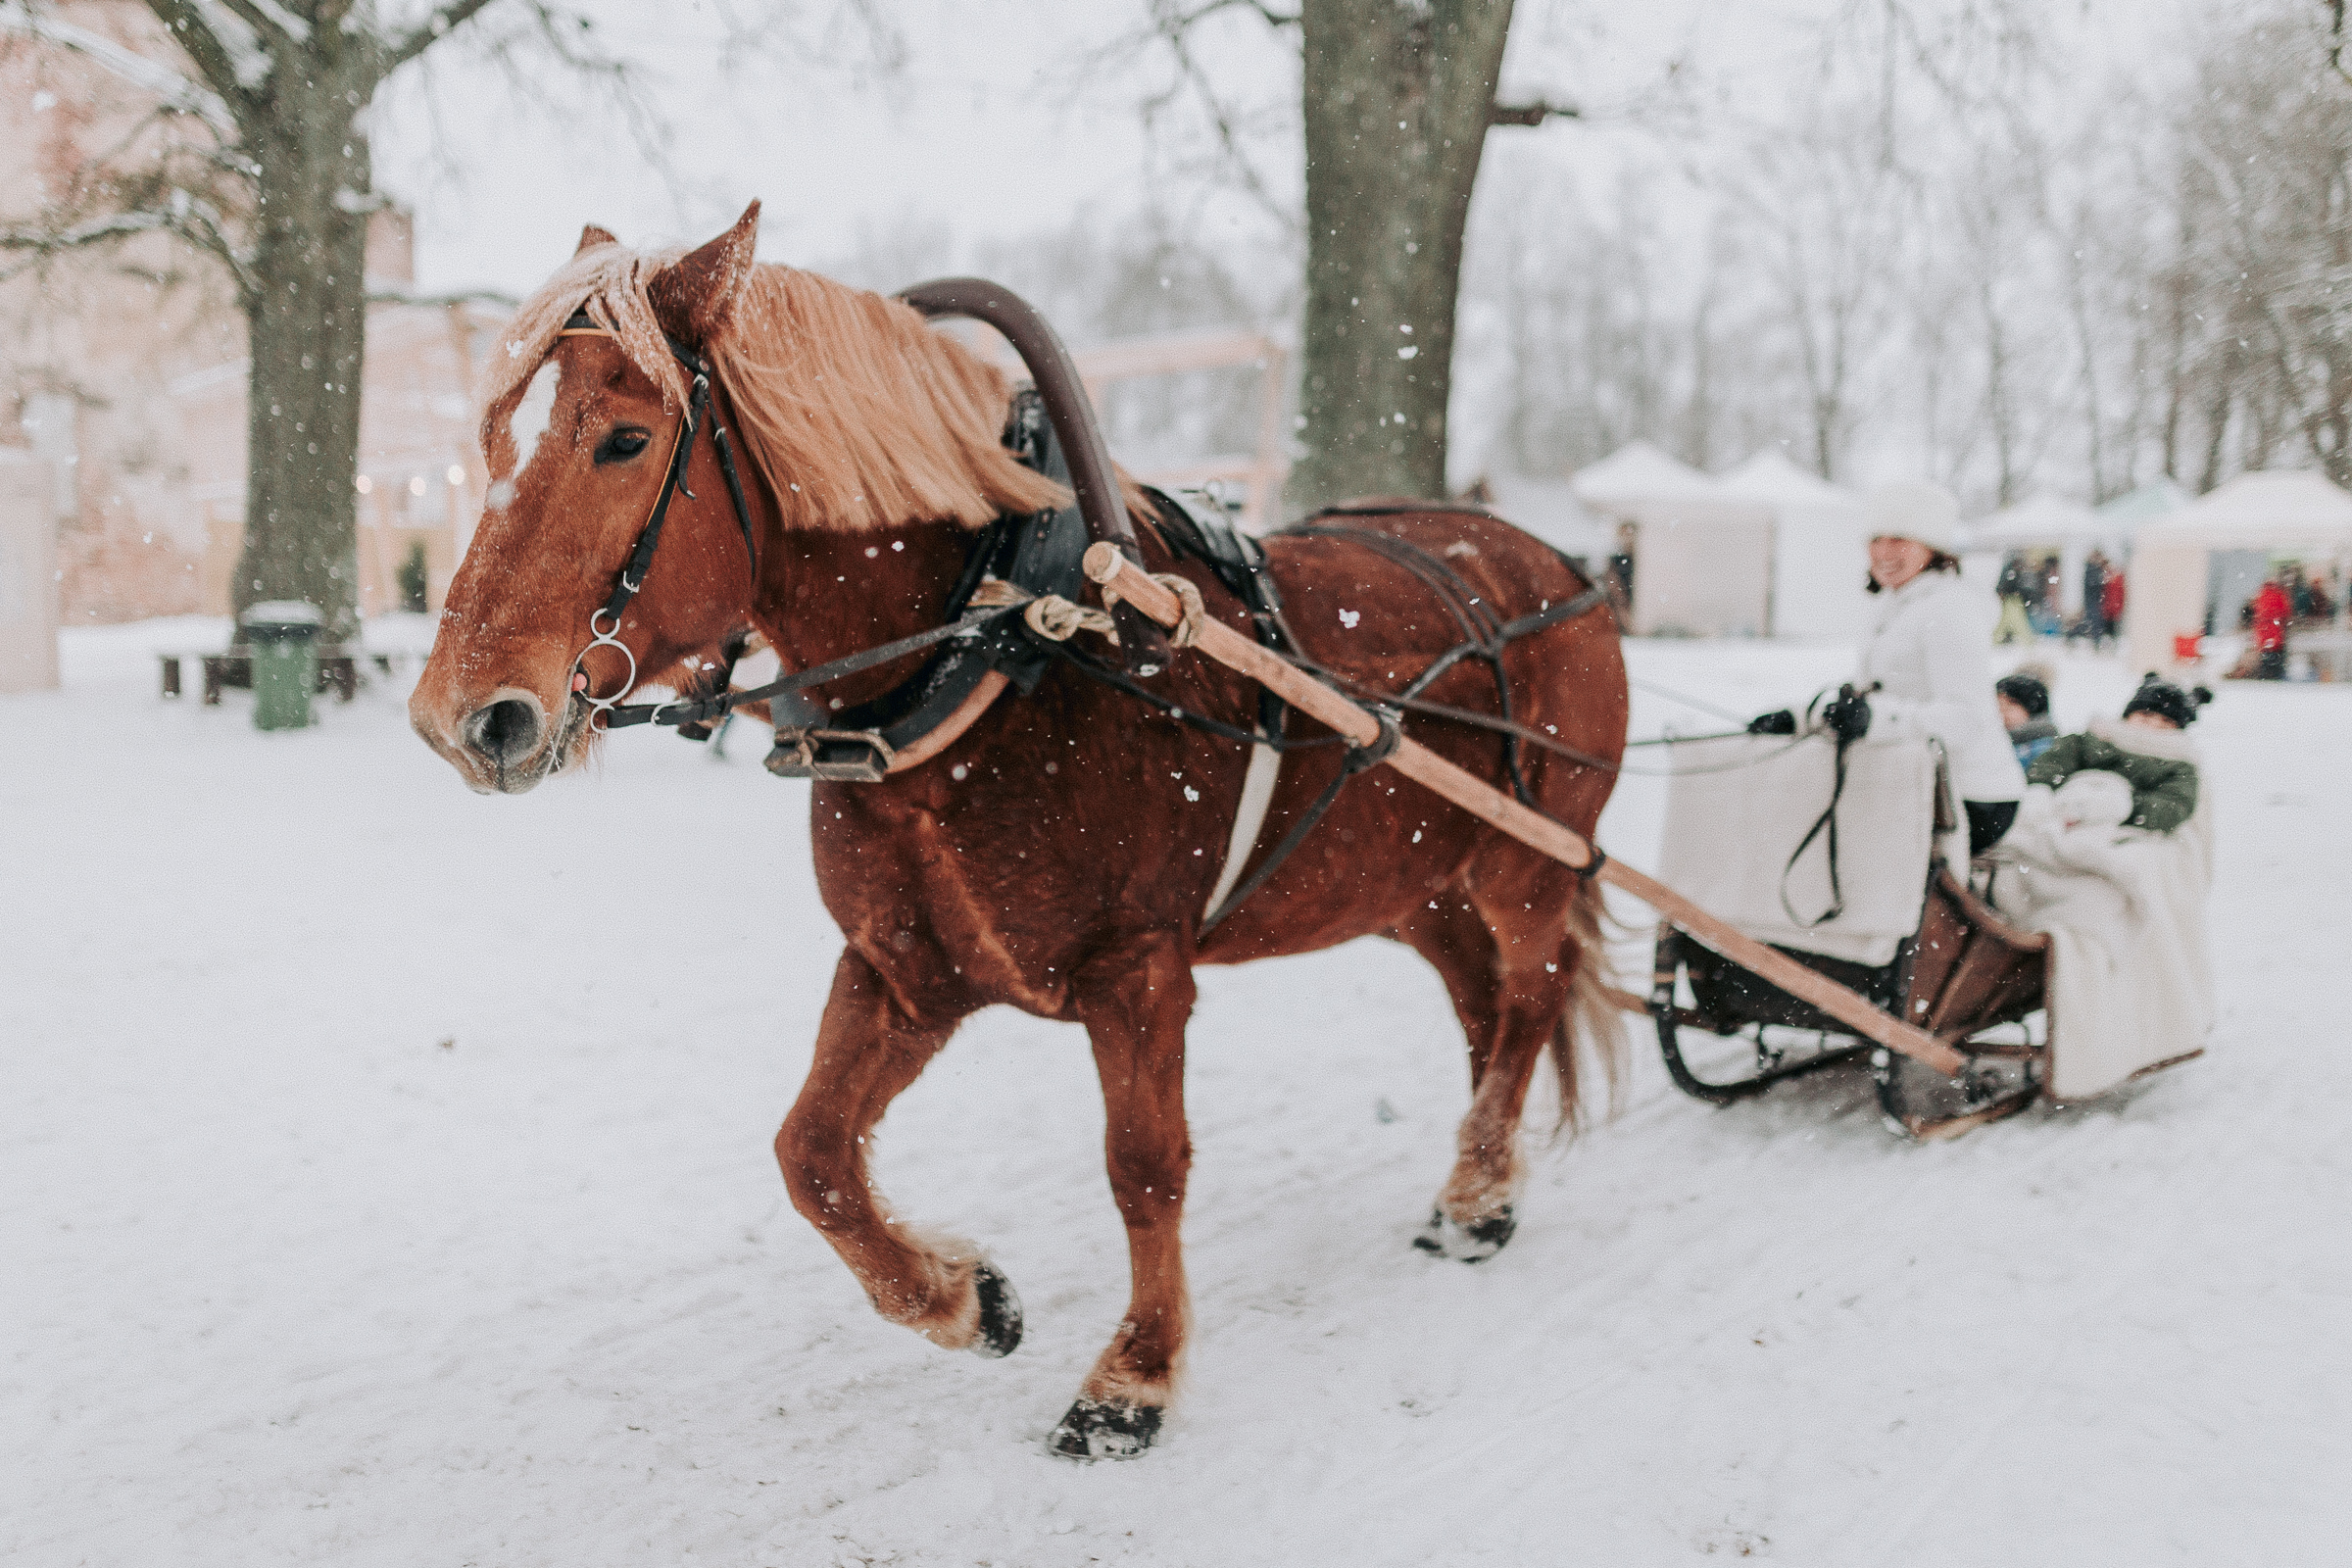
[2155, 499]
[1702, 558]
[2267, 514]
[2047, 522]
[1820, 547]
[1549, 510]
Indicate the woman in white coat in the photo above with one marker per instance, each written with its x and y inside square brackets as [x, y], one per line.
[1926, 667]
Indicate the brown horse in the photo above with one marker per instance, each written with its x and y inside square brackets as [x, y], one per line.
[1058, 855]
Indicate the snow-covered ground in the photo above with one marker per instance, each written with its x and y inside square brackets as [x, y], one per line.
[387, 1181]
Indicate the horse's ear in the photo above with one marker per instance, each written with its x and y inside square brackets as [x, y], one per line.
[692, 296]
[592, 236]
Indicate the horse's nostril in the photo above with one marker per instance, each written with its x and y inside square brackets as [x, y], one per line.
[505, 731]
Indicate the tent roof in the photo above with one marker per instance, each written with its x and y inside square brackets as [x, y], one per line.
[1549, 510]
[1638, 472]
[2151, 499]
[1770, 477]
[2042, 520]
[2260, 510]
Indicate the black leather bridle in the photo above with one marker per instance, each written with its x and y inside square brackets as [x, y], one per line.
[649, 538]
[608, 713]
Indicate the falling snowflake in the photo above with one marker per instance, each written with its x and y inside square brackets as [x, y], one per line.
[1349, 618]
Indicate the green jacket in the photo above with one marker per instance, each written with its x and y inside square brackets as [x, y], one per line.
[2164, 792]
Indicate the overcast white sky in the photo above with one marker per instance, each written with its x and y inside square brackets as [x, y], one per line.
[1005, 118]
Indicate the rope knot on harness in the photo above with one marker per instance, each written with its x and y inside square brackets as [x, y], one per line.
[1186, 632]
[1057, 620]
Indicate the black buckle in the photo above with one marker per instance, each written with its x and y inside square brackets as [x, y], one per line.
[849, 756]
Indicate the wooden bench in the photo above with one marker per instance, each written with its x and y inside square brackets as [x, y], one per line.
[339, 670]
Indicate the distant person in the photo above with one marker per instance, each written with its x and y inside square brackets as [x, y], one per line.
[2049, 602]
[2024, 699]
[2271, 610]
[2015, 626]
[2111, 601]
[1926, 669]
[1620, 568]
[2312, 603]
[2095, 599]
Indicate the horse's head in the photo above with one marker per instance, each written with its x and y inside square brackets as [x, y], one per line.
[851, 415]
[579, 433]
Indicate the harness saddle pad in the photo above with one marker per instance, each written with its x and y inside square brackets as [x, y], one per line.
[1738, 810]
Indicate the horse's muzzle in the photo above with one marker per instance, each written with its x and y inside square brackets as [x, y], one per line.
[502, 746]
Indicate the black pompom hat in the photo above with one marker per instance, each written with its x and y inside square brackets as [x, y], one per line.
[2161, 697]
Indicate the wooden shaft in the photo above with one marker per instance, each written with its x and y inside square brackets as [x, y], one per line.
[1130, 582]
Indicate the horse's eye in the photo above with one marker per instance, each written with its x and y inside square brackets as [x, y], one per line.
[622, 444]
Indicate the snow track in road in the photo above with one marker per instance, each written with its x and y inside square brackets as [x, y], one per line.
[291, 1282]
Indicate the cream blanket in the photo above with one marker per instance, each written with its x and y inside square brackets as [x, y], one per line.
[1740, 806]
[2131, 980]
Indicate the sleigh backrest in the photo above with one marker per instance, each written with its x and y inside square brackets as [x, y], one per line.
[1738, 810]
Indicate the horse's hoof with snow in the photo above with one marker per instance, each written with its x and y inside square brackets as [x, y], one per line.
[1105, 1429]
[1000, 1312]
[1472, 1242]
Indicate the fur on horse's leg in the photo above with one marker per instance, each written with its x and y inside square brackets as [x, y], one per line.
[1135, 1003]
[1508, 967]
[868, 1050]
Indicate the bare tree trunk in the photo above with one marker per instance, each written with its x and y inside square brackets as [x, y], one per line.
[2217, 420]
[1999, 403]
[1397, 97]
[307, 328]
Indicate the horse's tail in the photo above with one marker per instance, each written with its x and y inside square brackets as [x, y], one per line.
[1592, 1026]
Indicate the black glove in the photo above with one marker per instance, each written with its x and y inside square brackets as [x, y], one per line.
[1847, 714]
[1779, 721]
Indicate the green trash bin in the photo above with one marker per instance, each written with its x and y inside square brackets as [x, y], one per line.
[283, 634]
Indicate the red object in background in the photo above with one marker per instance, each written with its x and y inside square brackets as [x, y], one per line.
[2271, 610]
[2111, 598]
[2187, 647]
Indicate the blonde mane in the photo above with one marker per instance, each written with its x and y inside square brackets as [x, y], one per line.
[860, 414]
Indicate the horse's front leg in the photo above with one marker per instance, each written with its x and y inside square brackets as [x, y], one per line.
[1135, 1003]
[867, 1051]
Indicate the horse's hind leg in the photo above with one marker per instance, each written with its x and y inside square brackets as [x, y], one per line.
[1135, 1002]
[1507, 964]
[868, 1050]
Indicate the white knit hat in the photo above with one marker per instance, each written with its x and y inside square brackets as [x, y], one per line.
[1915, 510]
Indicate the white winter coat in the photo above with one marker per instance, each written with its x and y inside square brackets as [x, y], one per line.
[1930, 654]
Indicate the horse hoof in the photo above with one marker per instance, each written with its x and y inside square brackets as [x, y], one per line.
[1474, 1243]
[1105, 1429]
[1000, 1312]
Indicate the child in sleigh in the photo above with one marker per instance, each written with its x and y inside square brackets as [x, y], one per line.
[2127, 776]
[2112, 854]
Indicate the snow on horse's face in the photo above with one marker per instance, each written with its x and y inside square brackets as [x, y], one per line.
[580, 441]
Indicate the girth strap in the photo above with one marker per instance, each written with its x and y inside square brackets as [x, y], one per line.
[1357, 758]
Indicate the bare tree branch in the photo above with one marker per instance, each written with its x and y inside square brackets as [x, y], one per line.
[1167, 20]
[435, 27]
[176, 91]
[97, 231]
[1171, 25]
[1534, 114]
[268, 19]
[467, 295]
[192, 30]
